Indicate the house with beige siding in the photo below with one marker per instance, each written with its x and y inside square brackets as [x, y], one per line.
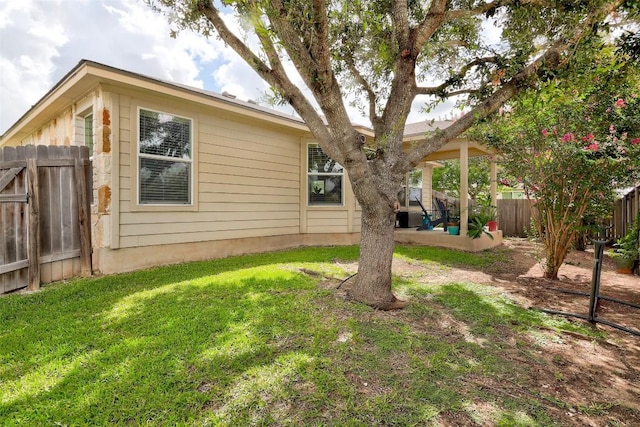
[183, 174]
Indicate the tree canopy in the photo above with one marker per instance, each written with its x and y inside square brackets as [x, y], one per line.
[382, 55]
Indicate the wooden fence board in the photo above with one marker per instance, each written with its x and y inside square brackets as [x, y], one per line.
[33, 230]
[12, 267]
[625, 211]
[21, 219]
[82, 172]
[514, 217]
[8, 176]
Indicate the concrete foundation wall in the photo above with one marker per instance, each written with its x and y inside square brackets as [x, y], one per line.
[111, 261]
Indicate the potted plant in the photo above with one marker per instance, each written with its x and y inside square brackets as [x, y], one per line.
[627, 249]
[490, 213]
[453, 225]
[478, 225]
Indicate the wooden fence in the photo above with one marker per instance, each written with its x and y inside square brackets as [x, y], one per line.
[45, 228]
[625, 212]
[514, 217]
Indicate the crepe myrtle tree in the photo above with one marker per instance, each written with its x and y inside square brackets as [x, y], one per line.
[382, 55]
[571, 143]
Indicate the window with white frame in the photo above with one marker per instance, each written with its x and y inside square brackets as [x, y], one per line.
[165, 162]
[84, 136]
[415, 186]
[411, 189]
[324, 178]
[88, 132]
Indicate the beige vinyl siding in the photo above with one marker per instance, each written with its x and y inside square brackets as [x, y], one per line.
[125, 169]
[333, 220]
[356, 221]
[247, 177]
[327, 220]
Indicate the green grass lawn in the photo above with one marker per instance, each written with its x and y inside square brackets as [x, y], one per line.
[257, 340]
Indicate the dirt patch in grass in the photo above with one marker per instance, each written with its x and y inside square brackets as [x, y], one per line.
[577, 380]
[586, 382]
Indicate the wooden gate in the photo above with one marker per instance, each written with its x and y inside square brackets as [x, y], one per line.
[45, 229]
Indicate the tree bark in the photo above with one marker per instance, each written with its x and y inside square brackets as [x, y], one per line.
[373, 282]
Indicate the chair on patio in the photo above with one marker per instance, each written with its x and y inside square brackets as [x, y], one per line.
[436, 217]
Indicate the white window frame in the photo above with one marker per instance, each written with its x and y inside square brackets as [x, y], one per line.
[190, 161]
[85, 118]
[310, 173]
[84, 110]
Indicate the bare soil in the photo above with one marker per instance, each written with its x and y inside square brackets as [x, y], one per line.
[583, 381]
[579, 371]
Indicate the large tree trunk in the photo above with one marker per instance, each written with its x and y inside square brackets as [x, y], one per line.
[373, 282]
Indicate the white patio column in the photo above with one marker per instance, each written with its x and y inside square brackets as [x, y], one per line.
[464, 187]
[427, 181]
[494, 181]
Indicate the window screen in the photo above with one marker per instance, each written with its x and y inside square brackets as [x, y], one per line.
[324, 177]
[165, 161]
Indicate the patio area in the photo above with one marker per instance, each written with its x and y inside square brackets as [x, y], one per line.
[414, 199]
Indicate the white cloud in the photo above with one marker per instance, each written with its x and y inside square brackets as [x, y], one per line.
[8, 7]
[176, 59]
[53, 34]
[50, 37]
[43, 39]
[27, 58]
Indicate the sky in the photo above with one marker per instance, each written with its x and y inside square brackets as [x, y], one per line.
[42, 40]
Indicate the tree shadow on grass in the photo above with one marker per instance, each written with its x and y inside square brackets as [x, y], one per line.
[230, 343]
[150, 348]
[241, 347]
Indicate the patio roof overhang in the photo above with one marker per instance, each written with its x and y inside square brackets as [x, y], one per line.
[415, 132]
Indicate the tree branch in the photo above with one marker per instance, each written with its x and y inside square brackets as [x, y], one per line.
[430, 24]
[321, 49]
[371, 94]
[550, 58]
[410, 42]
[276, 76]
[440, 89]
[400, 19]
[313, 62]
[452, 15]
[462, 92]
[296, 49]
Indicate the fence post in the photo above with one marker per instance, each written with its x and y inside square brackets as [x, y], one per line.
[83, 216]
[34, 225]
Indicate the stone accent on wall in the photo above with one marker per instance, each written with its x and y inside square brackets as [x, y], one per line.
[102, 166]
[102, 170]
[59, 131]
[101, 237]
[104, 199]
[104, 143]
